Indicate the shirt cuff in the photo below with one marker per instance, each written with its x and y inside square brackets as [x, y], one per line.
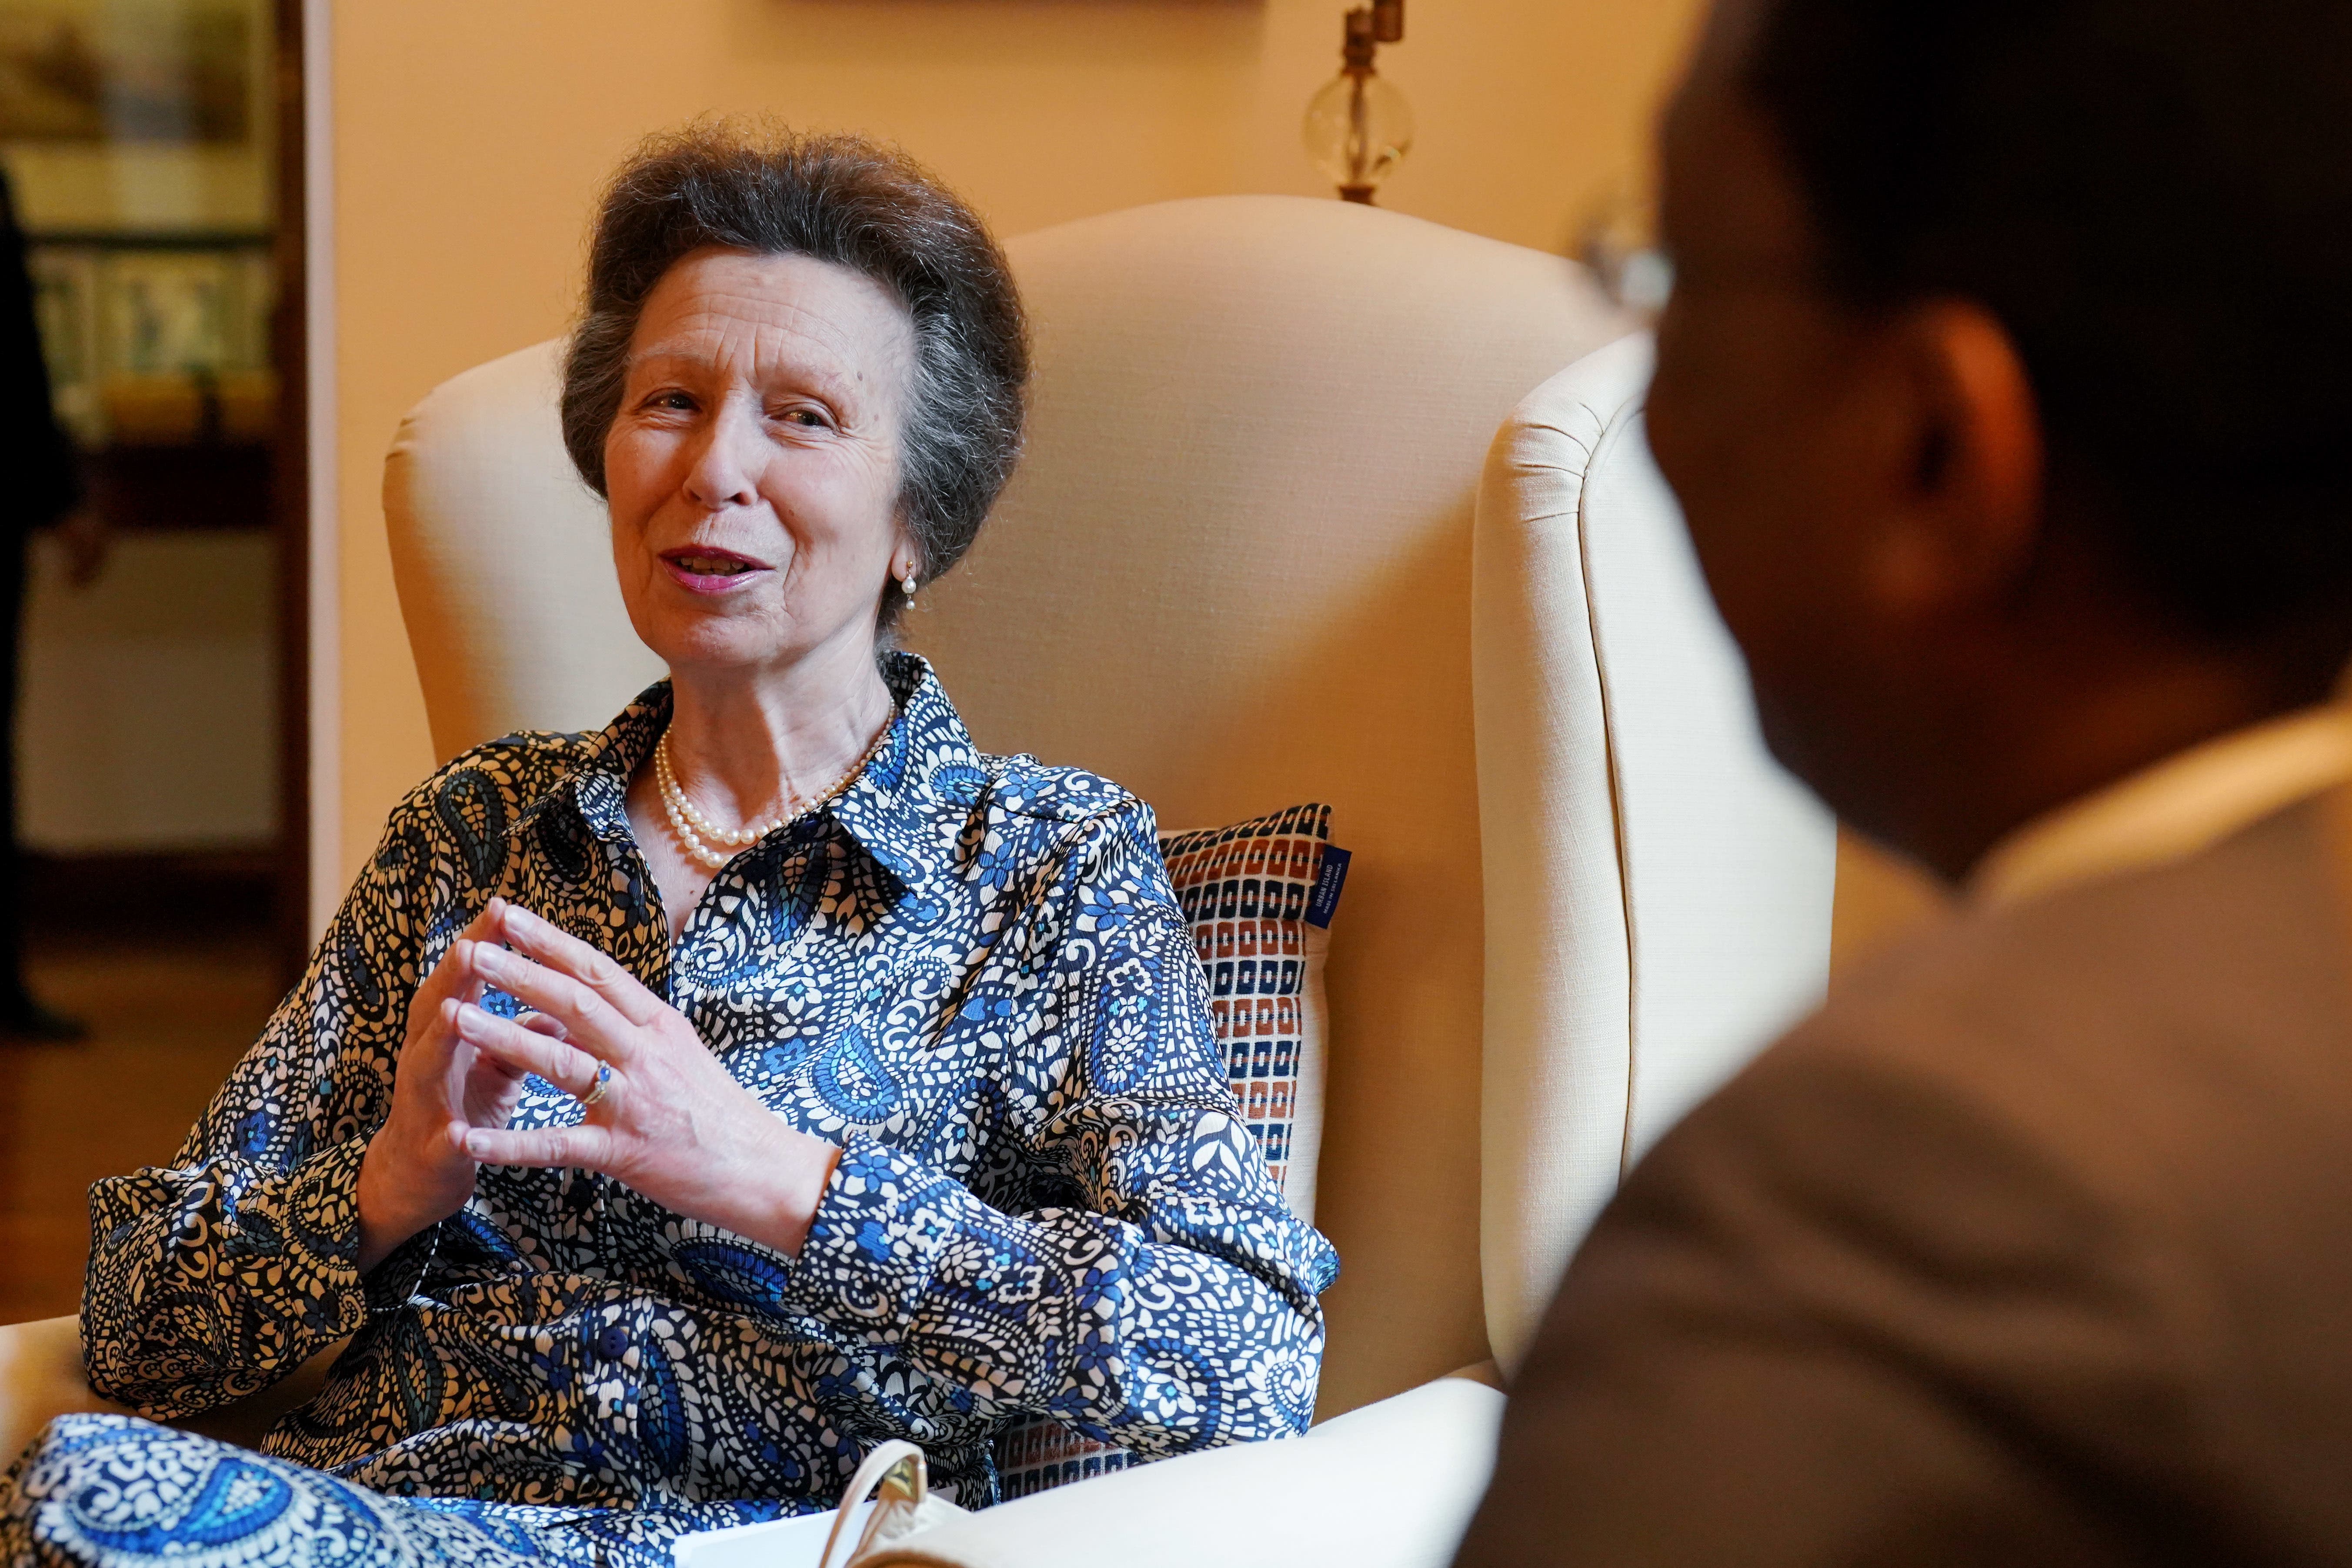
[303, 1229]
[876, 1245]
[390, 1284]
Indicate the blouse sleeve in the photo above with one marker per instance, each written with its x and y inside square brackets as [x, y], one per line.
[214, 1277]
[1176, 1309]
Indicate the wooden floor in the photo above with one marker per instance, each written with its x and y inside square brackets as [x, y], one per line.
[167, 1021]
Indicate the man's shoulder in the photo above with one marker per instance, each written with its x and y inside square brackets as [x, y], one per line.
[2071, 1173]
[2162, 1031]
[2243, 938]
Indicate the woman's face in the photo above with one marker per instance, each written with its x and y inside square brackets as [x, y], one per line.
[753, 469]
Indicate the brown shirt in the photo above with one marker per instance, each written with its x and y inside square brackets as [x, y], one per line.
[2034, 1246]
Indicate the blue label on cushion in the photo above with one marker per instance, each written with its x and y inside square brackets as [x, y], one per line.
[1329, 877]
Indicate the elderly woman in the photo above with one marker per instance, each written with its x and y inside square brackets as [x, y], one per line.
[673, 1113]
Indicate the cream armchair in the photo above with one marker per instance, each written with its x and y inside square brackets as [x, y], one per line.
[1250, 560]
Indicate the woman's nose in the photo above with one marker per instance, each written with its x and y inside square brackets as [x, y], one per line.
[723, 473]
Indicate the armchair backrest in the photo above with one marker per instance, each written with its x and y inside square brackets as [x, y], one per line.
[1657, 889]
[1234, 573]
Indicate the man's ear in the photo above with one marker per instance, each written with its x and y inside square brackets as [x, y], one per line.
[1967, 462]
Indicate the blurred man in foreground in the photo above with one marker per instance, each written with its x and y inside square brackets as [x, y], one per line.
[2008, 386]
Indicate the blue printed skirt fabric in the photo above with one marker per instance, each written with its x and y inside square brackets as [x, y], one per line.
[970, 972]
[115, 1489]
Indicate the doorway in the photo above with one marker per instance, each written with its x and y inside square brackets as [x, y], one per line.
[153, 149]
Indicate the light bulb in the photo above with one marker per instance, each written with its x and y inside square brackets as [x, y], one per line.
[1359, 128]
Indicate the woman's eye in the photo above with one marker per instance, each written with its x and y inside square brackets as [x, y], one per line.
[678, 401]
[806, 419]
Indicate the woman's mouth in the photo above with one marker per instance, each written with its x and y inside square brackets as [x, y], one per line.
[701, 570]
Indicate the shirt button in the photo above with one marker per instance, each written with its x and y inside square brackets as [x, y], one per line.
[612, 1343]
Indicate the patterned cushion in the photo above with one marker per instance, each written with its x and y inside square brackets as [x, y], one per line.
[1249, 891]
[1259, 895]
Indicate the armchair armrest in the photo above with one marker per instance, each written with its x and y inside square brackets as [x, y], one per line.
[1390, 1486]
[41, 1378]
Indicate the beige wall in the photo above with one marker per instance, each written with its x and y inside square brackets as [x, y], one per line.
[470, 136]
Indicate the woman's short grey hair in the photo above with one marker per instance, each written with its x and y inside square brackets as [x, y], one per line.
[858, 204]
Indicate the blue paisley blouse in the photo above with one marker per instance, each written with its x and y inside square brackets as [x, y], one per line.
[970, 972]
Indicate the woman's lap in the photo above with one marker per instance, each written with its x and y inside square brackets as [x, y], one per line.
[119, 1492]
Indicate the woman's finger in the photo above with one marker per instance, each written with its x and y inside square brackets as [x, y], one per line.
[454, 975]
[566, 1066]
[540, 1023]
[558, 949]
[588, 1020]
[440, 1051]
[586, 1147]
[433, 1061]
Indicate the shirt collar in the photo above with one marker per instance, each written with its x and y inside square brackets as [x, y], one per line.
[2173, 809]
[899, 808]
[893, 809]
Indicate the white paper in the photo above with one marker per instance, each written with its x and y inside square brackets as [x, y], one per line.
[777, 1543]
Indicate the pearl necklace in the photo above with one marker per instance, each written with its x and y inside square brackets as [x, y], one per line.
[711, 846]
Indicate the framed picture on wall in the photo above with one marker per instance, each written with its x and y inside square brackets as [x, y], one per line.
[155, 342]
[136, 135]
[147, 72]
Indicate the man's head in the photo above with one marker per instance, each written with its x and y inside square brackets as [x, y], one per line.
[2008, 383]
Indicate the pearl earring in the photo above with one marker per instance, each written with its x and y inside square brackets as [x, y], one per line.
[907, 584]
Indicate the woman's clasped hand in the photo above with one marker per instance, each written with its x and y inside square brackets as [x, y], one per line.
[671, 1122]
[417, 1171]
